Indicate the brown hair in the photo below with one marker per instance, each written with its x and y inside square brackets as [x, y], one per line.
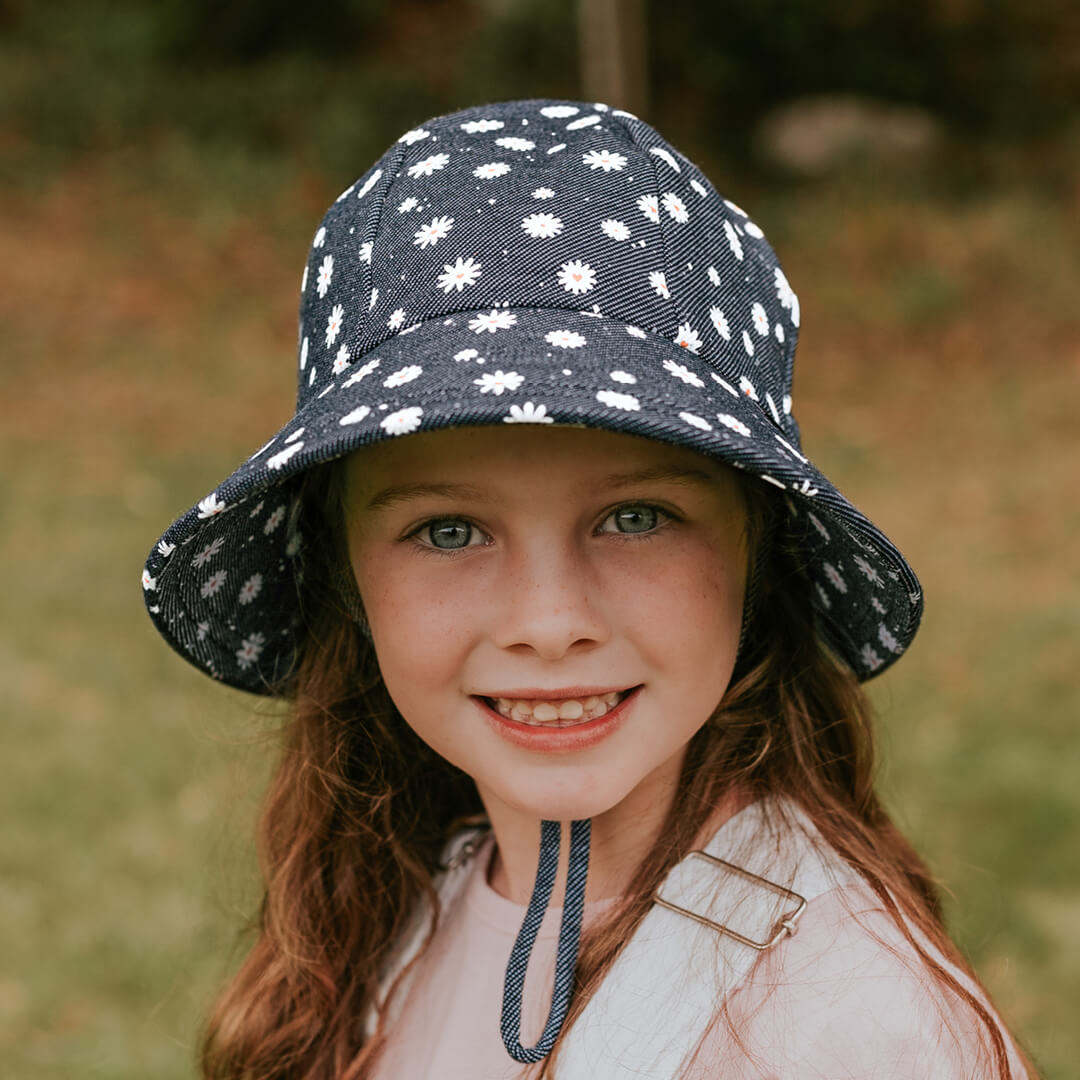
[358, 811]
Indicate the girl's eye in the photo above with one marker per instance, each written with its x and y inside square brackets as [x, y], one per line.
[450, 535]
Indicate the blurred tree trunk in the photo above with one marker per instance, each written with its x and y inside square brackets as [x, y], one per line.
[612, 47]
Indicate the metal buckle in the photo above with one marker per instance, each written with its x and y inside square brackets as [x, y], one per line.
[784, 926]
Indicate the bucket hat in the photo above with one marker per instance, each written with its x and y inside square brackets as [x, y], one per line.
[540, 262]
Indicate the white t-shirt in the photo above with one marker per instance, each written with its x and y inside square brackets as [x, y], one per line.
[830, 1003]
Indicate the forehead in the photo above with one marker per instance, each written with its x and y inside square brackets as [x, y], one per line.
[517, 458]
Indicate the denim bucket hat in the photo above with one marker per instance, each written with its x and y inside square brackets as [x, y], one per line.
[529, 262]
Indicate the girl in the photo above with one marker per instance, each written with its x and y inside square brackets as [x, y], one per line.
[562, 611]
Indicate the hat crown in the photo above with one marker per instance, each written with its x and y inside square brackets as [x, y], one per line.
[555, 205]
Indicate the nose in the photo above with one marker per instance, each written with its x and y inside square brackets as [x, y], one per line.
[549, 602]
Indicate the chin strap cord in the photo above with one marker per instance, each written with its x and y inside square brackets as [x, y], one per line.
[569, 935]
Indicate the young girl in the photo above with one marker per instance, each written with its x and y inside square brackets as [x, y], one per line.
[565, 616]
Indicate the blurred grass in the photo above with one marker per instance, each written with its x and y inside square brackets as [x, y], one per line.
[147, 306]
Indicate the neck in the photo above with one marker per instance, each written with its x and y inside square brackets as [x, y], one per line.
[621, 839]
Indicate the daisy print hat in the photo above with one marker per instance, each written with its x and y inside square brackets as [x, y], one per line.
[529, 262]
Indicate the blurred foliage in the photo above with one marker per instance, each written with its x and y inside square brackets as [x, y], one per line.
[278, 76]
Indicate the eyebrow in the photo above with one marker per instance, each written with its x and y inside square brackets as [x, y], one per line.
[398, 494]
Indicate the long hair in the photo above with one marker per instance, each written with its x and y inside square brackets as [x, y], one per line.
[359, 809]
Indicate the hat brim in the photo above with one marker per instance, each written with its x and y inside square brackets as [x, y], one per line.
[220, 584]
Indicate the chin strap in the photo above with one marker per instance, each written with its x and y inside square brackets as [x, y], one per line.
[569, 935]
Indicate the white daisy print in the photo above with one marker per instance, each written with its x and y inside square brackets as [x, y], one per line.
[491, 170]
[360, 373]
[615, 400]
[754, 231]
[249, 650]
[688, 338]
[577, 276]
[608, 160]
[341, 361]
[250, 589]
[724, 383]
[649, 205]
[736, 207]
[887, 639]
[584, 122]
[699, 187]
[466, 354]
[543, 193]
[659, 282]
[823, 596]
[623, 377]
[333, 324]
[207, 553]
[373, 299]
[733, 240]
[747, 387]
[498, 381]
[414, 136]
[397, 317]
[695, 421]
[403, 375]
[720, 323]
[760, 319]
[355, 416]
[556, 148]
[877, 605]
[431, 234]
[320, 237]
[279, 459]
[326, 274]
[528, 414]
[870, 658]
[786, 405]
[786, 295]
[497, 320]
[406, 205]
[478, 127]
[429, 165]
[616, 230]
[804, 487]
[463, 272]
[369, 183]
[365, 251]
[681, 372]
[210, 506]
[815, 521]
[733, 423]
[202, 630]
[274, 520]
[541, 226]
[636, 331]
[564, 339]
[512, 142]
[559, 112]
[165, 548]
[675, 207]
[303, 280]
[664, 156]
[212, 584]
[714, 276]
[778, 330]
[748, 345]
[834, 577]
[869, 572]
[149, 583]
[403, 421]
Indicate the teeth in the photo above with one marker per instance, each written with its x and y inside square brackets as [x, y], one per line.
[570, 710]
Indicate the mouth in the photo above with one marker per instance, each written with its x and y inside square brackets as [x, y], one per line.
[557, 712]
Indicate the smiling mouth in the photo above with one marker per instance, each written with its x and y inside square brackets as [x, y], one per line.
[568, 712]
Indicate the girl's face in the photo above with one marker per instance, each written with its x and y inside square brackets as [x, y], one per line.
[526, 562]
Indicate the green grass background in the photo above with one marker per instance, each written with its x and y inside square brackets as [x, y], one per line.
[147, 314]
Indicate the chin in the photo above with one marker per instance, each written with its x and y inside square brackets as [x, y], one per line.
[582, 798]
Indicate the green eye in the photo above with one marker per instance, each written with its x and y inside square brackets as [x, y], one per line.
[450, 535]
[635, 519]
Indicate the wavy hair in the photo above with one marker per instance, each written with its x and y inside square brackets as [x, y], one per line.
[359, 809]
